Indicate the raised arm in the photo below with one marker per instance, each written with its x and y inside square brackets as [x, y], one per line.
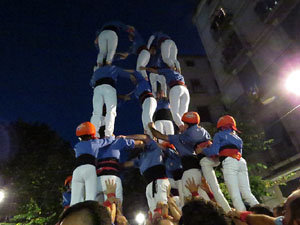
[149, 69]
[156, 133]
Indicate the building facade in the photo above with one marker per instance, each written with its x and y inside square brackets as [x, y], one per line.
[252, 46]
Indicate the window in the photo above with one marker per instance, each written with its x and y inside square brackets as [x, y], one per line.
[233, 46]
[264, 7]
[249, 78]
[197, 87]
[204, 113]
[190, 63]
[220, 21]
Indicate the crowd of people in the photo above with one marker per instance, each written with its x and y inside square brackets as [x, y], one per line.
[182, 161]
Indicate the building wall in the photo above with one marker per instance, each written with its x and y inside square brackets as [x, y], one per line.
[251, 49]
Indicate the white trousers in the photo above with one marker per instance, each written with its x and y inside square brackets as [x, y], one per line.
[177, 184]
[207, 167]
[104, 94]
[101, 187]
[142, 60]
[148, 107]
[161, 194]
[107, 42]
[190, 174]
[84, 180]
[154, 78]
[179, 102]
[164, 127]
[236, 179]
[169, 53]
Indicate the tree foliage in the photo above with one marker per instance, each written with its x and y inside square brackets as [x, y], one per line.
[35, 173]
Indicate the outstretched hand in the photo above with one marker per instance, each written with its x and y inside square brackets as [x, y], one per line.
[111, 187]
[191, 185]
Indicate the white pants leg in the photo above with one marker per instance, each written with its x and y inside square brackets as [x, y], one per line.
[164, 126]
[104, 94]
[161, 194]
[166, 52]
[107, 42]
[148, 106]
[231, 178]
[190, 174]
[179, 186]
[179, 102]
[207, 167]
[244, 183]
[154, 78]
[102, 187]
[142, 60]
[84, 177]
[173, 56]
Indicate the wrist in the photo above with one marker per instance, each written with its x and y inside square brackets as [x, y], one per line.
[195, 193]
[107, 203]
[109, 195]
[210, 195]
[244, 214]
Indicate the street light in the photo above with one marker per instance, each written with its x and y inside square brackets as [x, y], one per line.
[140, 218]
[2, 195]
[293, 81]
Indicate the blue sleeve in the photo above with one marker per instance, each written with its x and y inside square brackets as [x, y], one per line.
[214, 148]
[151, 145]
[122, 73]
[105, 141]
[128, 144]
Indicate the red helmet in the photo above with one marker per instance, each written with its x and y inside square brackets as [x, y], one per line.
[86, 128]
[227, 121]
[68, 180]
[191, 117]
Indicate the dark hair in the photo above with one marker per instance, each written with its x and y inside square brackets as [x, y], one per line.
[99, 214]
[261, 209]
[295, 209]
[279, 210]
[86, 137]
[199, 211]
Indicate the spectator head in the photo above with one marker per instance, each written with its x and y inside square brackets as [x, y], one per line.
[278, 210]
[261, 209]
[86, 213]
[201, 212]
[292, 209]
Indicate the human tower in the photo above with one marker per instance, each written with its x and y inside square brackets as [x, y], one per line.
[166, 160]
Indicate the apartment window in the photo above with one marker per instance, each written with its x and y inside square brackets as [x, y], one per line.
[190, 63]
[264, 7]
[197, 87]
[220, 21]
[233, 46]
[291, 24]
[249, 78]
[204, 113]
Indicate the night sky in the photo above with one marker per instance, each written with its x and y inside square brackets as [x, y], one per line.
[47, 55]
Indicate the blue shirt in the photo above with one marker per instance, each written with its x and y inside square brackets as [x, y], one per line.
[66, 198]
[142, 84]
[171, 75]
[151, 156]
[162, 103]
[223, 138]
[112, 72]
[92, 146]
[279, 220]
[115, 148]
[185, 143]
[172, 162]
[119, 25]
[158, 37]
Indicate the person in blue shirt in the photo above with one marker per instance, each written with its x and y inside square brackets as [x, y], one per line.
[107, 40]
[104, 83]
[86, 151]
[179, 95]
[108, 167]
[151, 165]
[67, 194]
[162, 117]
[144, 94]
[168, 49]
[228, 146]
[185, 143]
